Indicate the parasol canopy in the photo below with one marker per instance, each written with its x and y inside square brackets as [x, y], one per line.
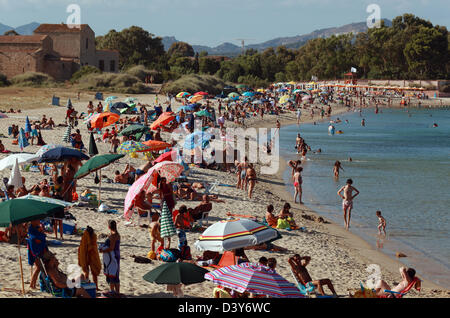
[96, 163]
[163, 120]
[176, 273]
[61, 154]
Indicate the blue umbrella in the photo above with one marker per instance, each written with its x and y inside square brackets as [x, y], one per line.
[248, 94]
[61, 154]
[23, 141]
[197, 139]
[27, 126]
[188, 108]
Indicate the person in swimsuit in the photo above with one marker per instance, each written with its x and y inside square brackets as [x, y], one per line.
[336, 168]
[155, 232]
[381, 224]
[298, 181]
[407, 275]
[298, 265]
[111, 257]
[242, 167]
[251, 179]
[166, 194]
[347, 203]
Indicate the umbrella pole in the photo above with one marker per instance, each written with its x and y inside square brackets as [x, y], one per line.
[20, 261]
[99, 188]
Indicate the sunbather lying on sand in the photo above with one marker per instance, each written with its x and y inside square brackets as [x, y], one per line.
[188, 193]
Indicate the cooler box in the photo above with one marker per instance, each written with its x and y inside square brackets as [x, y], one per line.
[68, 227]
[90, 288]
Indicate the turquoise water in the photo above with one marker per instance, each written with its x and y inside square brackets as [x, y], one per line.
[401, 166]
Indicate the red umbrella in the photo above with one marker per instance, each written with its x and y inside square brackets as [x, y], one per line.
[155, 145]
[201, 93]
[167, 156]
[163, 120]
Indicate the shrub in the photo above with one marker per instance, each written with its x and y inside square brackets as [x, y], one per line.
[32, 79]
[194, 83]
[141, 72]
[85, 70]
[120, 83]
[3, 80]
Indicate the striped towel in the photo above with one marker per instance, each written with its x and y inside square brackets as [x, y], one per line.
[167, 226]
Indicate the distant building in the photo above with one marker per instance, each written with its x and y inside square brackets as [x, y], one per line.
[54, 49]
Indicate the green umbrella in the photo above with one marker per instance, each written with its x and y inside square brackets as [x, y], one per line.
[241, 86]
[16, 212]
[176, 273]
[203, 113]
[134, 130]
[94, 164]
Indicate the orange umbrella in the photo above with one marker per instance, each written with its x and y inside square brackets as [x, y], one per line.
[104, 120]
[163, 120]
[155, 145]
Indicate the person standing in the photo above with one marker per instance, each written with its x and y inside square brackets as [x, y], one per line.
[297, 178]
[347, 203]
[336, 168]
[111, 257]
[88, 255]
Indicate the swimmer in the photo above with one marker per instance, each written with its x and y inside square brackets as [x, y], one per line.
[381, 224]
[363, 122]
[435, 125]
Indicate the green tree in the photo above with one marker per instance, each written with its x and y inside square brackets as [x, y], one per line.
[181, 49]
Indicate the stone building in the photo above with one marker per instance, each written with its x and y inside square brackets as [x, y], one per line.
[54, 49]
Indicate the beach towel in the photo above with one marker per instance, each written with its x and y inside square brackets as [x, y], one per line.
[110, 265]
[88, 255]
[36, 244]
[283, 224]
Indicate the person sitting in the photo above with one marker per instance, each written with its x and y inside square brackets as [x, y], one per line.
[58, 188]
[298, 265]
[2, 148]
[50, 124]
[43, 121]
[127, 176]
[22, 191]
[142, 205]
[240, 254]
[408, 277]
[10, 193]
[45, 192]
[204, 207]
[183, 220]
[77, 141]
[59, 279]
[285, 213]
[271, 219]
[106, 136]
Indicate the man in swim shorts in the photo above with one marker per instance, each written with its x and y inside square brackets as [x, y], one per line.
[347, 203]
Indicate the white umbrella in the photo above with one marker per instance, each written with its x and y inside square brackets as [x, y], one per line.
[16, 178]
[21, 158]
[234, 234]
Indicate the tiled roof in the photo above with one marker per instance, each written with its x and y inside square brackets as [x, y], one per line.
[22, 38]
[59, 28]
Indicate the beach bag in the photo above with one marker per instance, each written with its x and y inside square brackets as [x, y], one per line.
[283, 224]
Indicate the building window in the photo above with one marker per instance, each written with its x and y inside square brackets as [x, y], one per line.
[101, 65]
[112, 66]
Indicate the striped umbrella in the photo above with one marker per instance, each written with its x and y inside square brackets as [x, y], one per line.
[46, 148]
[23, 141]
[183, 95]
[27, 125]
[167, 227]
[66, 137]
[234, 234]
[254, 278]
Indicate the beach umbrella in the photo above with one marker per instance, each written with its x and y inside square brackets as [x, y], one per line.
[196, 98]
[163, 120]
[21, 158]
[167, 227]
[176, 273]
[284, 99]
[241, 86]
[94, 164]
[257, 102]
[155, 145]
[201, 94]
[131, 146]
[203, 113]
[46, 148]
[183, 95]
[46, 200]
[254, 278]
[93, 150]
[307, 97]
[188, 108]
[147, 182]
[61, 154]
[248, 94]
[15, 178]
[234, 234]
[27, 125]
[110, 99]
[134, 130]
[233, 95]
[23, 141]
[66, 136]
[15, 212]
[167, 156]
[221, 95]
[130, 99]
[103, 120]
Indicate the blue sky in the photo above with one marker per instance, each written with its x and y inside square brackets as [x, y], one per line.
[212, 22]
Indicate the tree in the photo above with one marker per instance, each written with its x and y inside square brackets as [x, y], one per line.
[181, 49]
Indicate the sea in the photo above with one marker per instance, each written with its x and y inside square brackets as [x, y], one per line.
[400, 164]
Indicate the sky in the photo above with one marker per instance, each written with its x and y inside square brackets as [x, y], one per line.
[212, 22]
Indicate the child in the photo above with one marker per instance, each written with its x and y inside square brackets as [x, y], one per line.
[382, 224]
[155, 232]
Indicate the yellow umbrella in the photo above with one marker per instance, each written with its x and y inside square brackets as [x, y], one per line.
[284, 99]
[196, 98]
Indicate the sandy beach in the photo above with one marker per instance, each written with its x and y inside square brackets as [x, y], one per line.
[336, 254]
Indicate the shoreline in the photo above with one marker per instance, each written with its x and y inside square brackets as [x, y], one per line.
[355, 243]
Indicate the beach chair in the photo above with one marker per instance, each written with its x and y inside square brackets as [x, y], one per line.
[228, 259]
[308, 290]
[211, 187]
[416, 283]
[47, 285]
[205, 217]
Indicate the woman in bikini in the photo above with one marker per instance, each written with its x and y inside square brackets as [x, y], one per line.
[251, 179]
